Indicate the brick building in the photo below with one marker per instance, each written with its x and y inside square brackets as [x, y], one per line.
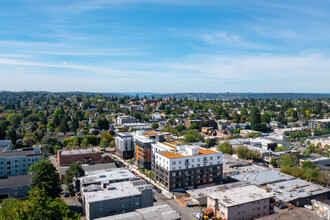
[67, 157]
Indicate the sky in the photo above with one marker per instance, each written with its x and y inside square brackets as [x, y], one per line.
[165, 46]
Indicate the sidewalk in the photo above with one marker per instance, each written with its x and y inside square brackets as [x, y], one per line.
[132, 167]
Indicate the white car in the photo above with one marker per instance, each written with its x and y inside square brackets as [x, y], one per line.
[309, 207]
[198, 215]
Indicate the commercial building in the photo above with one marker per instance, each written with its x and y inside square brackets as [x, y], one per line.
[200, 195]
[99, 177]
[299, 192]
[247, 202]
[124, 145]
[188, 167]
[319, 124]
[160, 212]
[125, 119]
[15, 186]
[16, 162]
[322, 141]
[88, 168]
[83, 155]
[116, 198]
[262, 178]
[297, 214]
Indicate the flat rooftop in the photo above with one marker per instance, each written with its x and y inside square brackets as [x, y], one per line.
[151, 132]
[116, 190]
[203, 192]
[250, 169]
[296, 188]
[240, 195]
[161, 212]
[16, 181]
[91, 167]
[298, 214]
[19, 152]
[202, 151]
[107, 175]
[80, 151]
[263, 177]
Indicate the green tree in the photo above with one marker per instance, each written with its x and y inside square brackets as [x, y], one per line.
[56, 148]
[64, 127]
[75, 171]
[167, 110]
[255, 119]
[193, 126]
[104, 143]
[225, 148]
[46, 178]
[193, 136]
[181, 127]
[273, 162]
[85, 143]
[288, 160]
[38, 206]
[308, 165]
[11, 135]
[58, 116]
[154, 125]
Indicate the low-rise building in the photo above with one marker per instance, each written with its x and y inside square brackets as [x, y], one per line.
[297, 213]
[262, 178]
[319, 124]
[15, 186]
[188, 167]
[247, 202]
[125, 119]
[107, 176]
[116, 198]
[160, 212]
[83, 155]
[299, 192]
[200, 195]
[16, 162]
[124, 145]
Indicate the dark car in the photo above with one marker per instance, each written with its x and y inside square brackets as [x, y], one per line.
[283, 206]
[277, 204]
[65, 194]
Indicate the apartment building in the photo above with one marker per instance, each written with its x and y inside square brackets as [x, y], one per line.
[319, 124]
[16, 162]
[125, 145]
[188, 167]
[116, 198]
[241, 203]
[142, 142]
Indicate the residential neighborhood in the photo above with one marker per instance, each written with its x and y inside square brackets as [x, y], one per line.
[108, 168]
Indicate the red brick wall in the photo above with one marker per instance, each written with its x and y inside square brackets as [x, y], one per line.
[68, 159]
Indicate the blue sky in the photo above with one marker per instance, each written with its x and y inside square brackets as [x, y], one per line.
[165, 46]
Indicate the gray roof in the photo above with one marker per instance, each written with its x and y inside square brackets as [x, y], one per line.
[263, 177]
[93, 167]
[161, 212]
[4, 143]
[15, 181]
[16, 153]
[293, 189]
[298, 213]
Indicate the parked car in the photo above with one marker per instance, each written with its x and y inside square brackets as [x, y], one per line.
[65, 194]
[277, 204]
[283, 206]
[198, 215]
[309, 207]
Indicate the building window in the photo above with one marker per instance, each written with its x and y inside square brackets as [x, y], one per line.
[218, 157]
[198, 160]
[173, 163]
